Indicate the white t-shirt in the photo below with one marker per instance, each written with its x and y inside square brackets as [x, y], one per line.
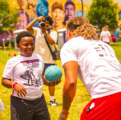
[105, 36]
[41, 47]
[26, 71]
[99, 69]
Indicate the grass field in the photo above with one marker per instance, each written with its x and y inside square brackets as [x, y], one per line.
[80, 100]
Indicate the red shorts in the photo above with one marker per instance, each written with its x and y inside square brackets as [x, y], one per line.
[104, 108]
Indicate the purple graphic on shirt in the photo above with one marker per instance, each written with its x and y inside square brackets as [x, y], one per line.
[29, 73]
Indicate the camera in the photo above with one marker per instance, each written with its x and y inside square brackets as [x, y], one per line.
[42, 23]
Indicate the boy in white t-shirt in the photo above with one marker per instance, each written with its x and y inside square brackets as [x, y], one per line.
[96, 65]
[27, 100]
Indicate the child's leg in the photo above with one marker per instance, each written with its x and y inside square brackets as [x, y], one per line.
[41, 110]
[104, 108]
[20, 109]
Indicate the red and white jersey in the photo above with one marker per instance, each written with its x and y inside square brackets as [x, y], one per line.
[26, 71]
[99, 69]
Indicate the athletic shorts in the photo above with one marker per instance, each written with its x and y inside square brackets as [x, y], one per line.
[22, 109]
[47, 65]
[104, 108]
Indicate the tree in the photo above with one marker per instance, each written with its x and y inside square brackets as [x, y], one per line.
[103, 12]
[8, 17]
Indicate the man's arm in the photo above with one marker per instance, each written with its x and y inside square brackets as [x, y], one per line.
[30, 25]
[69, 88]
[49, 39]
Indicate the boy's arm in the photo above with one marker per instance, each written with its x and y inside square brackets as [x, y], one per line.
[21, 91]
[46, 82]
[110, 39]
[7, 82]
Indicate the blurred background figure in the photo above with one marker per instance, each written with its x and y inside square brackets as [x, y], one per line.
[21, 20]
[58, 15]
[105, 35]
[30, 7]
[42, 8]
[69, 10]
[79, 13]
[97, 30]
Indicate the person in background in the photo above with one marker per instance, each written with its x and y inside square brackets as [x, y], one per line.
[41, 45]
[69, 11]
[96, 65]
[27, 99]
[58, 15]
[30, 7]
[105, 35]
[42, 8]
[22, 22]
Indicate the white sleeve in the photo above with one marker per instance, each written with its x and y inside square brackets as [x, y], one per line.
[8, 70]
[68, 53]
[101, 34]
[109, 33]
[35, 31]
[53, 35]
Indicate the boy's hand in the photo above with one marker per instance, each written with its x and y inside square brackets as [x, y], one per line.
[55, 83]
[21, 91]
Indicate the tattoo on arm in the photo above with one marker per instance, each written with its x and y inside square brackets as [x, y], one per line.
[66, 100]
[65, 70]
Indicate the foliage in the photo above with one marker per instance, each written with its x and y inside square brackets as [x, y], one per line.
[103, 12]
[8, 17]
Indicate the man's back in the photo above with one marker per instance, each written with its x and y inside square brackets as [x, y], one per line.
[99, 68]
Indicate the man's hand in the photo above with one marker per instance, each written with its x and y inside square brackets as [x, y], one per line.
[21, 91]
[63, 115]
[40, 18]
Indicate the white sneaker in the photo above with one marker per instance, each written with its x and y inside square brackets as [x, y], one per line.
[53, 103]
[1, 106]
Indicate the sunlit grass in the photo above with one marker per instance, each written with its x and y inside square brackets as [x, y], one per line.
[80, 100]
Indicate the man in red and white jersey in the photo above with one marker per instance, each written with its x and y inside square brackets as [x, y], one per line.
[95, 63]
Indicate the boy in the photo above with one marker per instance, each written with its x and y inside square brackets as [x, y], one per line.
[95, 63]
[27, 100]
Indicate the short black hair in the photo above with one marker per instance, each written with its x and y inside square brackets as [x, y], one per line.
[68, 3]
[23, 34]
[48, 18]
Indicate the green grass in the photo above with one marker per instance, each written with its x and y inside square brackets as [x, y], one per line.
[80, 100]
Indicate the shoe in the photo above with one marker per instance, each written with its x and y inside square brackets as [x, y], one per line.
[53, 103]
